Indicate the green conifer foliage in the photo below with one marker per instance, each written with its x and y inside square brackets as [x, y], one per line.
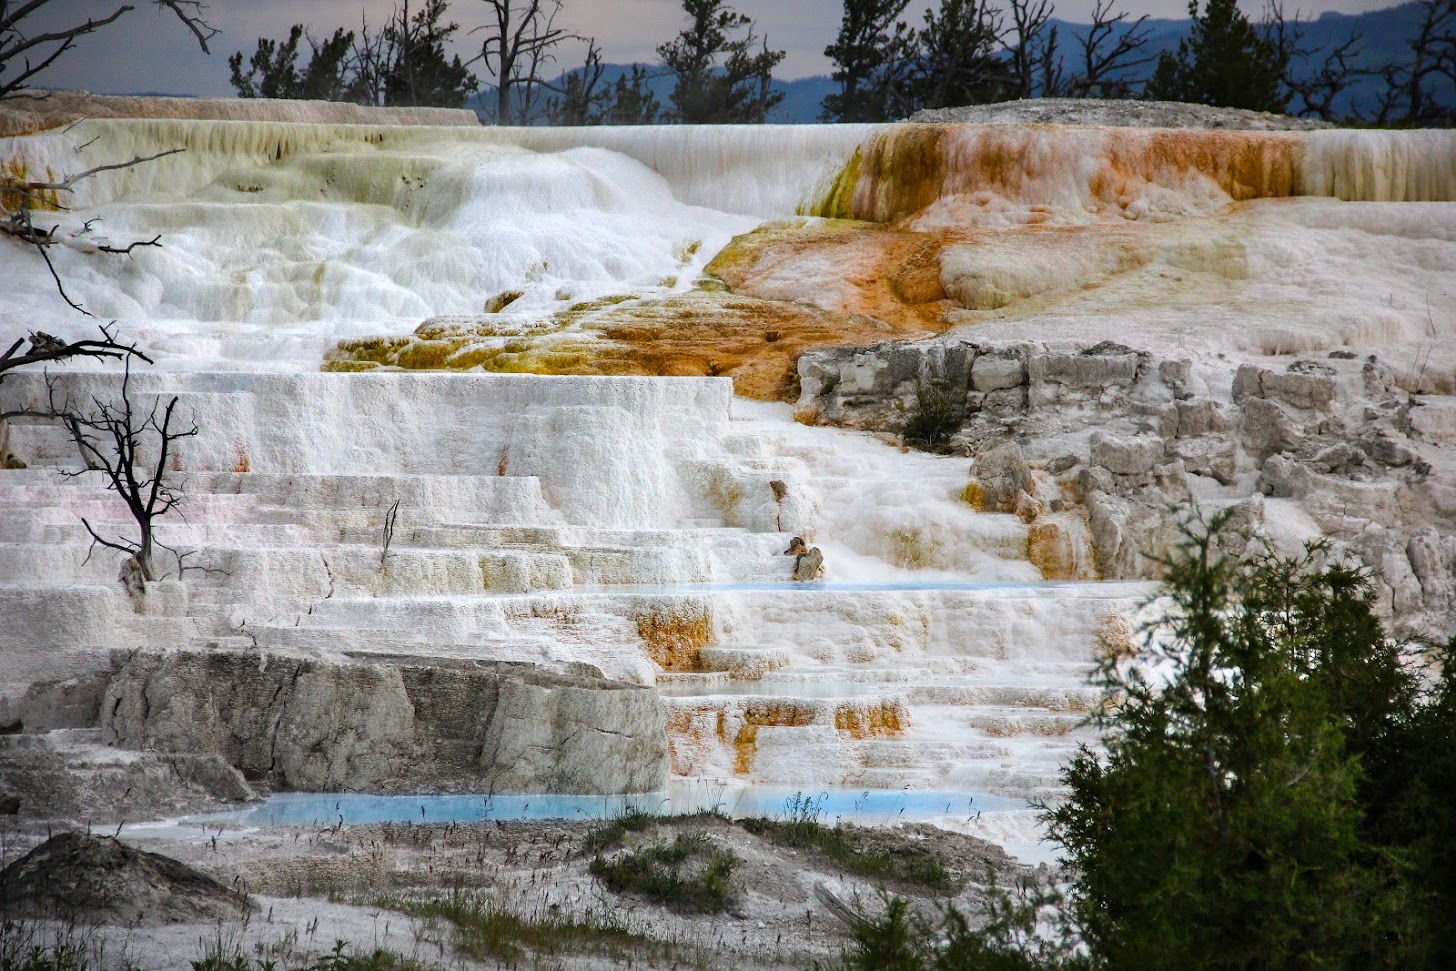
[1225, 61]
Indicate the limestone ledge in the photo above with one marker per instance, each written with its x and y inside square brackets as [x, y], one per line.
[307, 724]
[55, 109]
[1125, 443]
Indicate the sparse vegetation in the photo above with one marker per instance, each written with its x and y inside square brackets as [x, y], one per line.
[1006, 940]
[933, 420]
[610, 833]
[69, 946]
[485, 930]
[217, 956]
[850, 848]
[690, 874]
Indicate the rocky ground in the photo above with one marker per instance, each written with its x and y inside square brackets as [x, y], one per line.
[1129, 114]
[492, 894]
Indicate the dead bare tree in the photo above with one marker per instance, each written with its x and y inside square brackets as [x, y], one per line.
[582, 100]
[1409, 94]
[1026, 39]
[21, 199]
[1333, 77]
[25, 54]
[1111, 52]
[1318, 89]
[520, 40]
[130, 445]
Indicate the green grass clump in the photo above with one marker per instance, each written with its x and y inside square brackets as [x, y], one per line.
[484, 930]
[611, 832]
[218, 958]
[851, 849]
[689, 874]
[633, 820]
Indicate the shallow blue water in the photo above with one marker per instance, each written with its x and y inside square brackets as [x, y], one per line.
[351, 809]
[788, 586]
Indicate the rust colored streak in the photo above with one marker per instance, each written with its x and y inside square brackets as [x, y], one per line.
[903, 171]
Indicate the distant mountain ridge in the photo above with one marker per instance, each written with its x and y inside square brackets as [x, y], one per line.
[1385, 32]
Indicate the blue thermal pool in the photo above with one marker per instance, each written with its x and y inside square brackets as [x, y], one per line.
[352, 809]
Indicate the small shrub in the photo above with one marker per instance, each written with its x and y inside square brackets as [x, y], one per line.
[630, 820]
[933, 420]
[662, 873]
[1008, 938]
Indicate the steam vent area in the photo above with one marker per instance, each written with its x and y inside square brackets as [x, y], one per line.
[502, 436]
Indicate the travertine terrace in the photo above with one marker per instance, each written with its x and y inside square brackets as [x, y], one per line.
[475, 506]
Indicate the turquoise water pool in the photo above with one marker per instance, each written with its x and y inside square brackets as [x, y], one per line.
[353, 809]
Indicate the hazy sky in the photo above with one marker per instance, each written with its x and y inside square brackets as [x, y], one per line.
[147, 50]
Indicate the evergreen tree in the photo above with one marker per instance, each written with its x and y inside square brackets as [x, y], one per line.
[1225, 61]
[1273, 792]
[960, 60]
[632, 102]
[584, 101]
[1224, 825]
[721, 78]
[419, 73]
[404, 64]
[273, 69]
[874, 56]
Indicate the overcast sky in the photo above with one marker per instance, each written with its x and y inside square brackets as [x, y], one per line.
[149, 51]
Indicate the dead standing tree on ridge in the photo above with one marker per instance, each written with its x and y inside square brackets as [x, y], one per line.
[518, 45]
[129, 446]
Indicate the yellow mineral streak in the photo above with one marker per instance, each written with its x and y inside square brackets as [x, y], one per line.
[14, 176]
[756, 342]
[883, 719]
[768, 714]
[673, 639]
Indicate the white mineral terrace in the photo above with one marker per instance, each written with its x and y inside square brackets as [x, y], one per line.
[613, 521]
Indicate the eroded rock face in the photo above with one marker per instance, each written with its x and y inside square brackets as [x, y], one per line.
[68, 774]
[1128, 443]
[313, 725]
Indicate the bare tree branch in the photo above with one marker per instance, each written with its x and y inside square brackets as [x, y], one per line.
[20, 224]
[16, 45]
[45, 348]
[1026, 37]
[69, 183]
[1409, 95]
[126, 250]
[1112, 51]
[190, 13]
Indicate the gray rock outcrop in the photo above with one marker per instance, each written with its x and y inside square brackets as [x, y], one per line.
[1132, 443]
[69, 774]
[312, 725]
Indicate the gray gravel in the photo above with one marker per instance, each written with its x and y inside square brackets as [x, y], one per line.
[1126, 114]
